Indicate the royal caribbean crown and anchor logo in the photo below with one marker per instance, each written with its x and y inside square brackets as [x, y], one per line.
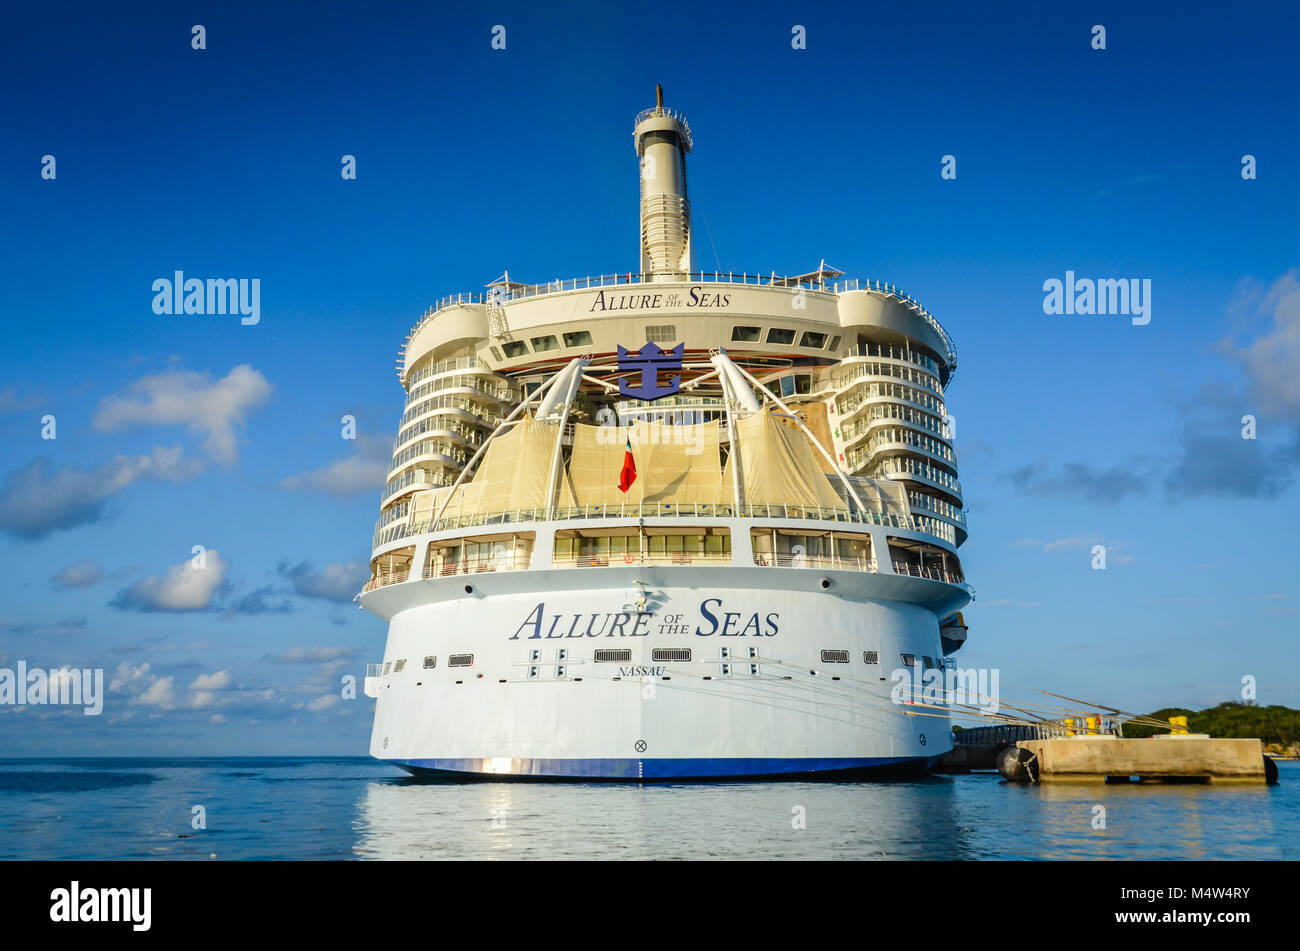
[650, 361]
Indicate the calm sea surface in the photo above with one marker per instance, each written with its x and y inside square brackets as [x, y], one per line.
[356, 808]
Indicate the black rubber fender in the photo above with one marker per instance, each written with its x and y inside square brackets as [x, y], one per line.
[1018, 765]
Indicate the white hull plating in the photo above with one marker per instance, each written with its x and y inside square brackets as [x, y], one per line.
[536, 703]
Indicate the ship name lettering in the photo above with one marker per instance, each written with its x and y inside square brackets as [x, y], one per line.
[621, 624]
[696, 297]
[751, 627]
[641, 671]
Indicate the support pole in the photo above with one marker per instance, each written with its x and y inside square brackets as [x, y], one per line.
[737, 479]
[807, 432]
[572, 377]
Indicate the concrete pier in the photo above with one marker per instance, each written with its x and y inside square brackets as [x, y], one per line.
[1185, 758]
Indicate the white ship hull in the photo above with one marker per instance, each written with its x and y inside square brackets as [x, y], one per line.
[782, 713]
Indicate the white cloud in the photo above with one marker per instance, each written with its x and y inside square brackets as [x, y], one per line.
[364, 471]
[324, 702]
[11, 402]
[128, 675]
[1271, 359]
[161, 693]
[348, 476]
[182, 588]
[334, 582]
[187, 398]
[312, 655]
[1086, 541]
[221, 680]
[38, 499]
[81, 574]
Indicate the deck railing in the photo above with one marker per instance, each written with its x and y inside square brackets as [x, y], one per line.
[520, 561]
[633, 510]
[923, 571]
[834, 562]
[512, 292]
[663, 559]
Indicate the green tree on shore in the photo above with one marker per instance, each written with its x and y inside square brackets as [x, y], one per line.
[1277, 726]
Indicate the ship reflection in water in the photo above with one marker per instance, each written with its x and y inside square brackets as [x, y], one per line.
[355, 808]
[959, 817]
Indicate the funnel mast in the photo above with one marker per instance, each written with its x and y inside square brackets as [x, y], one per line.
[662, 140]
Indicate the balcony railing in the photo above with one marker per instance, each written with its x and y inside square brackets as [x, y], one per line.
[663, 559]
[834, 562]
[923, 571]
[520, 561]
[387, 578]
[386, 533]
[510, 561]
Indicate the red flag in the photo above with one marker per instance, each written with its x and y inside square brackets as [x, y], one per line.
[628, 475]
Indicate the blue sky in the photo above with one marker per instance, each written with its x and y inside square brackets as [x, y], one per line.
[1073, 431]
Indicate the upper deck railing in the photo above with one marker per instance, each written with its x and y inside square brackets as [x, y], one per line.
[394, 530]
[656, 112]
[506, 293]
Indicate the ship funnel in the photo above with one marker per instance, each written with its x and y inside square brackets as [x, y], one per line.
[662, 140]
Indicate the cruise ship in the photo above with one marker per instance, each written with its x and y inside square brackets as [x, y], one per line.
[668, 524]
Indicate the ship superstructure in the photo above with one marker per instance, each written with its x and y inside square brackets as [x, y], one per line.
[786, 541]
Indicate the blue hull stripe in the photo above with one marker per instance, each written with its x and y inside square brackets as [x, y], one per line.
[637, 769]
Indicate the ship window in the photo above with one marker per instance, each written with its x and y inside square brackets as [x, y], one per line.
[460, 660]
[813, 339]
[430, 661]
[835, 657]
[780, 335]
[664, 654]
[515, 348]
[835, 343]
[661, 333]
[871, 657]
[496, 354]
[613, 656]
[399, 666]
[803, 383]
[753, 652]
[542, 344]
[787, 386]
[559, 670]
[562, 654]
[909, 660]
[726, 670]
[930, 663]
[745, 334]
[387, 667]
[577, 338]
[532, 672]
[534, 655]
[753, 670]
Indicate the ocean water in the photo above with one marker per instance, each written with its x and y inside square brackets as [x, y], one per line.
[357, 808]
